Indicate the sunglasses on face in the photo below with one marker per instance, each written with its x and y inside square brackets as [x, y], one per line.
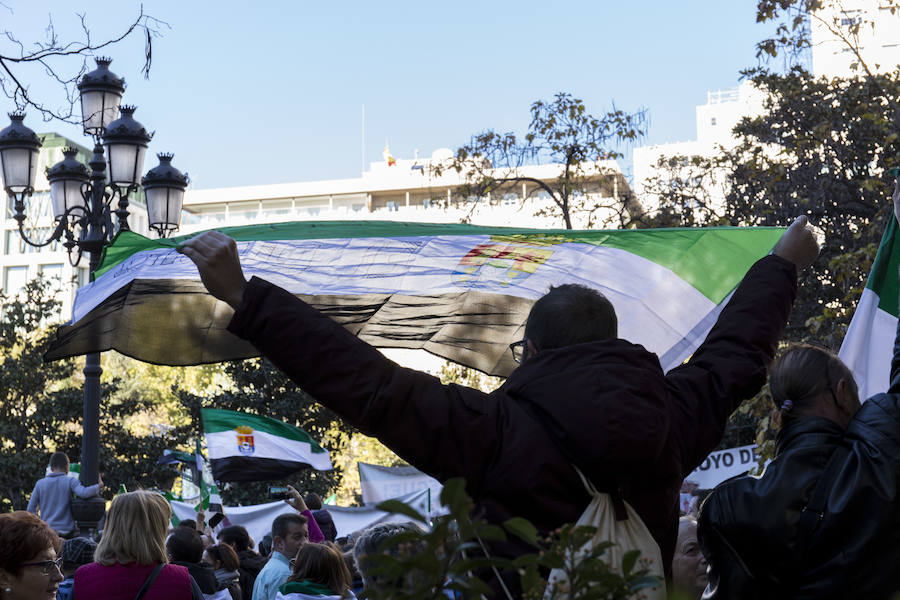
[46, 566]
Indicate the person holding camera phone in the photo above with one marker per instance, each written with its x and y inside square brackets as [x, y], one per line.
[289, 533]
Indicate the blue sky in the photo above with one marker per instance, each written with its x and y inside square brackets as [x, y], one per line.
[270, 92]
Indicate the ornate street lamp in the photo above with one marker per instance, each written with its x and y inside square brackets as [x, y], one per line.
[164, 187]
[83, 209]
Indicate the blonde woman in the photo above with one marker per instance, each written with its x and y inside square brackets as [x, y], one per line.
[131, 556]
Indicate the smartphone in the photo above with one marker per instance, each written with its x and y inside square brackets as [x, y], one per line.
[215, 520]
[279, 493]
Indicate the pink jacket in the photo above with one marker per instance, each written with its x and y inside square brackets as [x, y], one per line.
[122, 582]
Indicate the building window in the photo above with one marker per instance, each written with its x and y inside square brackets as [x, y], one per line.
[276, 209]
[14, 279]
[392, 206]
[82, 277]
[52, 273]
[37, 206]
[712, 121]
[13, 244]
[510, 199]
[426, 203]
[244, 210]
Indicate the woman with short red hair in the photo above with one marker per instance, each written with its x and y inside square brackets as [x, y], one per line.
[29, 567]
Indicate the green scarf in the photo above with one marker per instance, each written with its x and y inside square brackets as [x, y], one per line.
[307, 587]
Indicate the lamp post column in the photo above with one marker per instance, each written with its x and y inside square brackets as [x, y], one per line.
[89, 511]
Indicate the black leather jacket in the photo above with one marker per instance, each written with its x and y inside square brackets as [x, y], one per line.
[748, 527]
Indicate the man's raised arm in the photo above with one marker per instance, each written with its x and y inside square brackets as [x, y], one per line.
[410, 412]
[731, 364]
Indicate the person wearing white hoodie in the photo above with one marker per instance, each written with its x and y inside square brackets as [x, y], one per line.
[318, 573]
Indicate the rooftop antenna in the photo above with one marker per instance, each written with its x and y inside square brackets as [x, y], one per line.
[363, 138]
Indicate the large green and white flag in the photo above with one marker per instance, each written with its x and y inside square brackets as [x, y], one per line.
[868, 345]
[461, 292]
[245, 447]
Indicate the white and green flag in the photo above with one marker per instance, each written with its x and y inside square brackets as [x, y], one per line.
[461, 292]
[245, 447]
[868, 345]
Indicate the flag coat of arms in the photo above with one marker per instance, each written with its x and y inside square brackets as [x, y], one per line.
[462, 292]
[868, 345]
[246, 447]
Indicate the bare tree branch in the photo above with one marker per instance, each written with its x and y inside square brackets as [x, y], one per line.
[64, 63]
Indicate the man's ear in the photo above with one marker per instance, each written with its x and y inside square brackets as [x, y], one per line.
[847, 397]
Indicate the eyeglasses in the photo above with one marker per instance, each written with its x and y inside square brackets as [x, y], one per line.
[519, 350]
[46, 565]
[292, 562]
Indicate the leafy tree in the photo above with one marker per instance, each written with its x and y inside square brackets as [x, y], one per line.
[350, 450]
[63, 62]
[41, 408]
[561, 132]
[795, 19]
[39, 404]
[455, 373]
[259, 387]
[129, 449]
[429, 564]
[687, 192]
[822, 147]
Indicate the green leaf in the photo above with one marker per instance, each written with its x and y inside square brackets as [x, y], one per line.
[629, 560]
[522, 529]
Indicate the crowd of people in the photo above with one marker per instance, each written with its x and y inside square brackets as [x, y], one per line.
[821, 522]
[140, 555]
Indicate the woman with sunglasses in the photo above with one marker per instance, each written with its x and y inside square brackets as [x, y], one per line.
[29, 567]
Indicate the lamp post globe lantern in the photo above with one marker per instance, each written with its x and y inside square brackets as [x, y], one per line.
[126, 143]
[101, 93]
[67, 183]
[164, 187]
[19, 147]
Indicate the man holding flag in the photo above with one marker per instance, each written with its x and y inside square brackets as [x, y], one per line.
[581, 395]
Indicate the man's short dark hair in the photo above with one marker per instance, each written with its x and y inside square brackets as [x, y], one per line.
[265, 544]
[570, 314]
[189, 523]
[281, 524]
[235, 536]
[185, 545]
[59, 461]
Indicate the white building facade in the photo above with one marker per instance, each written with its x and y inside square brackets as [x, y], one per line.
[402, 190]
[872, 26]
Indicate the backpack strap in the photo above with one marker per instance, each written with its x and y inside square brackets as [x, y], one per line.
[614, 492]
[149, 581]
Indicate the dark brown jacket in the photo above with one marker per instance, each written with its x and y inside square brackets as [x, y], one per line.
[608, 404]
